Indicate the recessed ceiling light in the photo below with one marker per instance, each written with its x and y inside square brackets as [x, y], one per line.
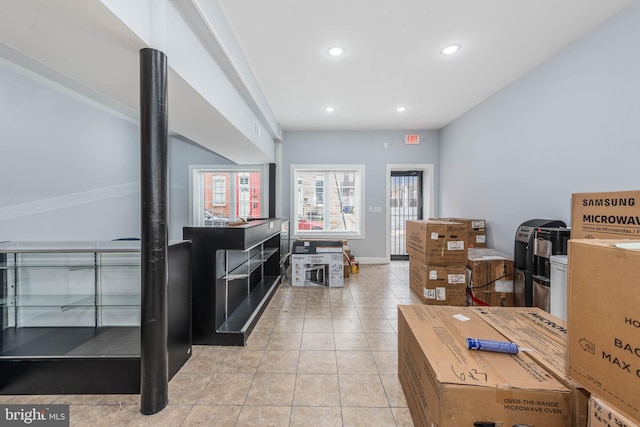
[401, 108]
[329, 109]
[451, 49]
[335, 51]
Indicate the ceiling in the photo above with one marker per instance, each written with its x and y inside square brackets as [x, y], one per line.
[392, 58]
[392, 54]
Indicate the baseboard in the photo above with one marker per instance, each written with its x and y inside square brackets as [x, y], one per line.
[372, 260]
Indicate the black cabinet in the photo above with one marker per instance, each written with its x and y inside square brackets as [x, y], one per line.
[235, 273]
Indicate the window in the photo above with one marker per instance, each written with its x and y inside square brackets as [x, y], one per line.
[220, 194]
[219, 190]
[327, 200]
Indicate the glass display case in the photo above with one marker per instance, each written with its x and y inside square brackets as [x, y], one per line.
[285, 247]
[76, 305]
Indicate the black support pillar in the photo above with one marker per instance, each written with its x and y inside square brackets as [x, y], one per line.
[154, 381]
[272, 190]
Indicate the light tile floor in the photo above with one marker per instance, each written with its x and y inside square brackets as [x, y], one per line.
[318, 357]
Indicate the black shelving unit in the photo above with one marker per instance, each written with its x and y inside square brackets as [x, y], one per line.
[236, 271]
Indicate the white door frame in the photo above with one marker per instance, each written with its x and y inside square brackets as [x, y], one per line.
[428, 195]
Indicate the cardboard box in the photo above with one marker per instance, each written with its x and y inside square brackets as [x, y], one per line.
[437, 242]
[494, 299]
[601, 414]
[477, 235]
[603, 318]
[545, 337]
[611, 215]
[544, 323]
[321, 269]
[438, 284]
[448, 385]
[316, 246]
[490, 270]
[346, 253]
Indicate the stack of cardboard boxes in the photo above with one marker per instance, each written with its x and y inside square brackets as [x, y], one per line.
[585, 372]
[437, 261]
[603, 315]
[489, 272]
[444, 252]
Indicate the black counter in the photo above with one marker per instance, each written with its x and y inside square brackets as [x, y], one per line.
[235, 274]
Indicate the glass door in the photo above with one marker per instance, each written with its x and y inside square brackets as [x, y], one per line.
[405, 204]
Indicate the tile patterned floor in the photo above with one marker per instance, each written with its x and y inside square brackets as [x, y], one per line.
[318, 357]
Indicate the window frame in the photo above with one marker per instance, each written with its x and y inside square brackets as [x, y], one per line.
[196, 208]
[359, 202]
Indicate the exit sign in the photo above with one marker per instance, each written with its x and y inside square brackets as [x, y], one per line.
[412, 139]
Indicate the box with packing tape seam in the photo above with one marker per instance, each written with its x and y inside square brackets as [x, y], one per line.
[437, 242]
[603, 342]
[477, 234]
[448, 385]
[544, 338]
[438, 284]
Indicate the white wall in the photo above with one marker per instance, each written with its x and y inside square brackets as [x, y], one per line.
[207, 99]
[367, 148]
[71, 171]
[571, 125]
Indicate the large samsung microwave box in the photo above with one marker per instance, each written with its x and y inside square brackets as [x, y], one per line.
[448, 385]
[437, 242]
[544, 337]
[603, 320]
[611, 215]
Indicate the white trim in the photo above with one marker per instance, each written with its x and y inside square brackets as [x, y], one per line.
[372, 260]
[359, 207]
[279, 179]
[428, 195]
[68, 200]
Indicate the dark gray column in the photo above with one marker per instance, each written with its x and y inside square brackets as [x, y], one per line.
[272, 190]
[154, 381]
